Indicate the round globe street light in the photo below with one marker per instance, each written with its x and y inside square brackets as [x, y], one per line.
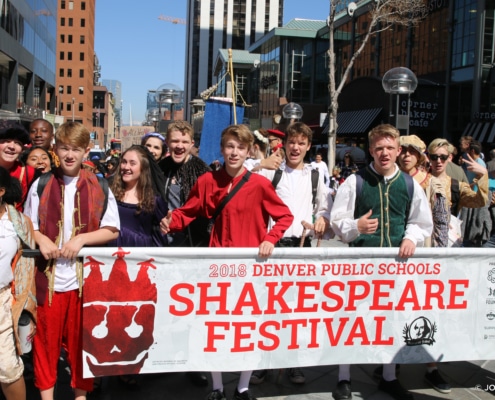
[400, 81]
[292, 111]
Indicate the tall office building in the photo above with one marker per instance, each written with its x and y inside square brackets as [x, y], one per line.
[222, 24]
[27, 58]
[115, 87]
[76, 72]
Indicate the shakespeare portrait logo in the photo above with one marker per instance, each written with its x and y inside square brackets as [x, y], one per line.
[420, 331]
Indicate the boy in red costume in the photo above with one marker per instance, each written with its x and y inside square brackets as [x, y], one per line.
[69, 214]
[242, 223]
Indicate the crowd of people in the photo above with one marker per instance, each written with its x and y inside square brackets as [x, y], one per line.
[160, 193]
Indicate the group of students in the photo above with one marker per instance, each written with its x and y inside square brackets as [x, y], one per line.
[172, 198]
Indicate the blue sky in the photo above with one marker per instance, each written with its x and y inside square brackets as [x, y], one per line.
[143, 52]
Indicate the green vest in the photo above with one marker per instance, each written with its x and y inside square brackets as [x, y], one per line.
[389, 202]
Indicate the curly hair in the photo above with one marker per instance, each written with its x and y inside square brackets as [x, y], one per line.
[145, 192]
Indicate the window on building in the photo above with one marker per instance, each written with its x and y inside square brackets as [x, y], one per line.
[71, 5]
[81, 90]
[62, 21]
[69, 89]
[62, 38]
[82, 39]
[69, 38]
[61, 72]
[71, 21]
[81, 108]
[62, 4]
[62, 55]
[69, 55]
[81, 73]
[83, 5]
[69, 106]
[61, 89]
[83, 22]
[69, 72]
[81, 56]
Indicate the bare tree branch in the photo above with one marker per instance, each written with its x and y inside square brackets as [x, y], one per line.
[382, 15]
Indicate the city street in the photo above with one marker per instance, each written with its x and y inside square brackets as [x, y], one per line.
[470, 381]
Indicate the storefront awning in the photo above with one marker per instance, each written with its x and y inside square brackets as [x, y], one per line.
[353, 122]
[483, 132]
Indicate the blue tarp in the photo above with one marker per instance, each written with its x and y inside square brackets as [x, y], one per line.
[218, 116]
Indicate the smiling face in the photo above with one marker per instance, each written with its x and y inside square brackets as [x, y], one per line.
[155, 146]
[439, 158]
[71, 157]
[234, 153]
[41, 133]
[179, 145]
[130, 168]
[39, 159]
[385, 150]
[296, 148]
[9, 152]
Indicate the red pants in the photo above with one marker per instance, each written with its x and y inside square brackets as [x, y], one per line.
[59, 325]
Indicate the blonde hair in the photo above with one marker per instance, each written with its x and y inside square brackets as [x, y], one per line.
[181, 126]
[383, 130]
[240, 132]
[440, 142]
[73, 133]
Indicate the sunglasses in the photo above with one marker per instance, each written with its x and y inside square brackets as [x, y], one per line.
[435, 157]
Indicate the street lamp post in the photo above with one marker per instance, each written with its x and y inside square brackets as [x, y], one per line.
[400, 81]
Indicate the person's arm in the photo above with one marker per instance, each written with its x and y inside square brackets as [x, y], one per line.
[419, 223]
[180, 218]
[109, 230]
[323, 203]
[342, 213]
[278, 211]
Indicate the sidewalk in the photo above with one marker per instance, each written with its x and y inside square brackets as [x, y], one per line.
[464, 377]
[320, 381]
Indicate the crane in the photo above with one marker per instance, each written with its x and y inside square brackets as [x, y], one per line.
[172, 19]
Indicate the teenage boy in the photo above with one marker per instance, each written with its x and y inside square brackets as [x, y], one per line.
[295, 184]
[182, 170]
[41, 134]
[243, 222]
[69, 214]
[383, 214]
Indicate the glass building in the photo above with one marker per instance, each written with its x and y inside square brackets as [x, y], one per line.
[451, 51]
[27, 58]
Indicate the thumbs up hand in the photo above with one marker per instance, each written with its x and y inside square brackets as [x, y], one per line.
[366, 224]
[165, 223]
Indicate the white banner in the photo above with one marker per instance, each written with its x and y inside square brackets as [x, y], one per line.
[150, 310]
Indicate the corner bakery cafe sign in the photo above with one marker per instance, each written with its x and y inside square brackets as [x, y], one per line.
[152, 310]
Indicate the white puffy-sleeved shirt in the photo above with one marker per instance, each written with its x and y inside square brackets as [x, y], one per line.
[419, 223]
[296, 191]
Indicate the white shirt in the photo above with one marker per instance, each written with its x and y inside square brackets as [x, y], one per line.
[65, 269]
[9, 242]
[296, 191]
[419, 223]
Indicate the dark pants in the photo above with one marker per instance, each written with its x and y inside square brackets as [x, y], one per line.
[293, 242]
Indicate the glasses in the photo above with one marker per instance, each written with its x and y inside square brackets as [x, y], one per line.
[435, 157]
[273, 139]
